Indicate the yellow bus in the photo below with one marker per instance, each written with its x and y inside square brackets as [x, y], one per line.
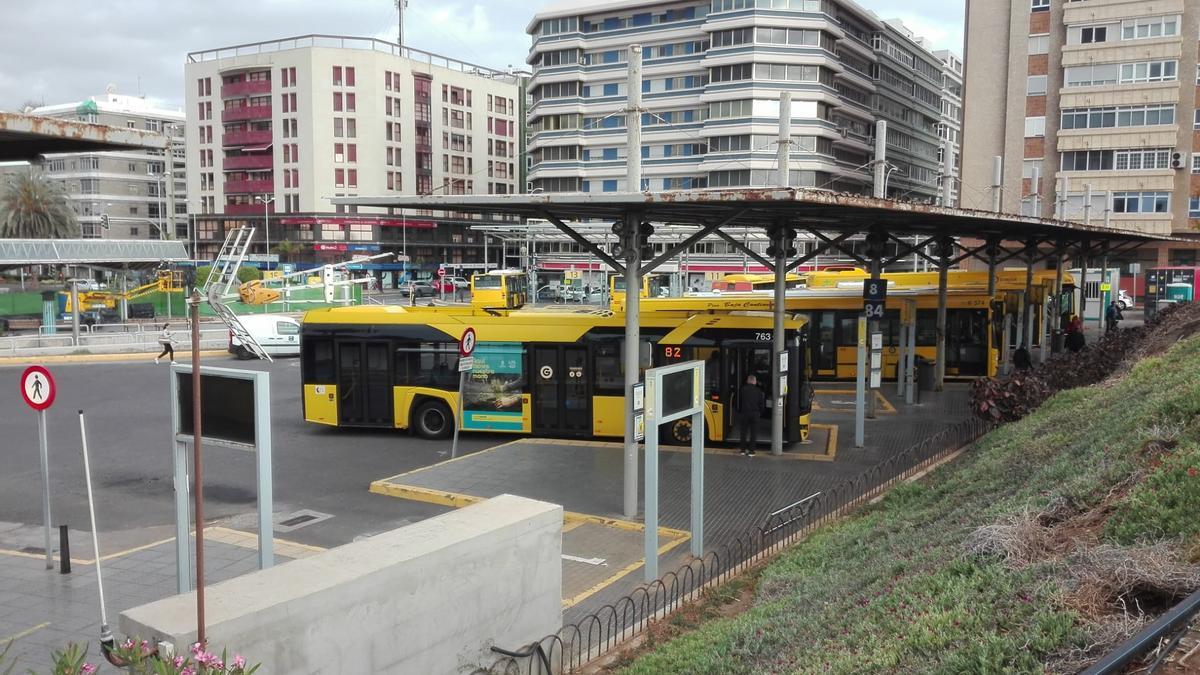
[536, 372]
[754, 282]
[500, 289]
[652, 287]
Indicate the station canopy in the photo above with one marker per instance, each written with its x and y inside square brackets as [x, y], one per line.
[814, 210]
[136, 253]
[25, 138]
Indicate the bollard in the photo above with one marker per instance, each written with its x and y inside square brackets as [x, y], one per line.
[64, 551]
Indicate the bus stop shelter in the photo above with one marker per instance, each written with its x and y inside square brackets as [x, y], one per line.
[943, 236]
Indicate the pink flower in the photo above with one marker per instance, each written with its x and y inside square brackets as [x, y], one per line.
[188, 671]
[178, 661]
[87, 669]
[197, 649]
[239, 661]
[127, 644]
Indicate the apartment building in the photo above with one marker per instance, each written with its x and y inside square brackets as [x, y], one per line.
[712, 75]
[952, 117]
[278, 128]
[130, 186]
[1083, 96]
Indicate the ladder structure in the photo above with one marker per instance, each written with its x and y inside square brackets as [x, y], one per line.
[216, 288]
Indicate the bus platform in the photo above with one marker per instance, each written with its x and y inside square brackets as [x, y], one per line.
[602, 549]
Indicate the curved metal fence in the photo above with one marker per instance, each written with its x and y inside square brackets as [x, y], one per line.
[579, 643]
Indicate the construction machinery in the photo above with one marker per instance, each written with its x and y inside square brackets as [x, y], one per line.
[166, 281]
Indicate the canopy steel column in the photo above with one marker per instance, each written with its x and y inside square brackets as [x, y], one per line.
[1059, 250]
[1081, 282]
[781, 249]
[993, 252]
[945, 247]
[1027, 317]
[1104, 299]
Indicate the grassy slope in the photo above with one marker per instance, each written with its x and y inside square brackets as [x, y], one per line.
[891, 589]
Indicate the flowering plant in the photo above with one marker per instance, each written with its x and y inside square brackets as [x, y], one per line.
[140, 657]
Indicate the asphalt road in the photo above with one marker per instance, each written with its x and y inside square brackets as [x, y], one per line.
[129, 427]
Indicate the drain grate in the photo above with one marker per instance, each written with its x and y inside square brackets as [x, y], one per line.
[295, 520]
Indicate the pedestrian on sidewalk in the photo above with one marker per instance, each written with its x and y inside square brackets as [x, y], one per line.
[751, 402]
[1075, 340]
[167, 340]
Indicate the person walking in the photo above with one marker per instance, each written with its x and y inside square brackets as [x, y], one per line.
[1113, 316]
[751, 402]
[167, 340]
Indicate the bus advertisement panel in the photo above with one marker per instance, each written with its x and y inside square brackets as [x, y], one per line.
[492, 399]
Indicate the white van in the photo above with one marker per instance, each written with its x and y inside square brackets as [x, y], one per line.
[278, 335]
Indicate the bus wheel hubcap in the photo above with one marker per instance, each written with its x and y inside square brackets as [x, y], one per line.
[434, 421]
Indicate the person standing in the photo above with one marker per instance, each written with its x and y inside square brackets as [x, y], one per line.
[1112, 316]
[167, 340]
[751, 401]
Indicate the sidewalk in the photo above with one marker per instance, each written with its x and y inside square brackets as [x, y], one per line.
[41, 611]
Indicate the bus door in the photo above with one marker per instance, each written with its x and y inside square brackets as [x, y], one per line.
[824, 344]
[966, 342]
[562, 390]
[364, 374]
[741, 360]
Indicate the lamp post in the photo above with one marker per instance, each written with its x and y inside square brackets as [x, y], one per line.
[266, 202]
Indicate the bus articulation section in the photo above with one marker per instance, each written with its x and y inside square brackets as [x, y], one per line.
[545, 373]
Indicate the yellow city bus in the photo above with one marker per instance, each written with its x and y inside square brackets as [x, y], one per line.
[536, 372]
[652, 285]
[500, 289]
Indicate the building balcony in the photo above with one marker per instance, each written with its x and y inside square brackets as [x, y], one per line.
[247, 88]
[253, 209]
[254, 186]
[254, 137]
[249, 162]
[247, 112]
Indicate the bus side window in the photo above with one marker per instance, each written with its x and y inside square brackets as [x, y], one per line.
[711, 356]
[609, 368]
[318, 362]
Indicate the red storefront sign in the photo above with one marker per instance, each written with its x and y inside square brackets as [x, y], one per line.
[382, 222]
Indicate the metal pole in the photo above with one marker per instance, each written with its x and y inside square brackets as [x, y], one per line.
[458, 412]
[1081, 283]
[633, 279]
[860, 388]
[633, 287]
[105, 633]
[993, 250]
[74, 312]
[997, 183]
[1060, 199]
[880, 178]
[698, 480]
[1058, 284]
[650, 540]
[267, 232]
[44, 453]
[943, 277]
[872, 328]
[1035, 183]
[779, 345]
[1104, 296]
[912, 356]
[1087, 204]
[785, 139]
[170, 194]
[947, 172]
[198, 467]
[1030, 251]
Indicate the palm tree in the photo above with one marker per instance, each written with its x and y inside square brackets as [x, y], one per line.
[32, 206]
[287, 250]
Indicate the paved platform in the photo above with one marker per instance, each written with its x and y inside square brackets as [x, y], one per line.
[586, 477]
[41, 611]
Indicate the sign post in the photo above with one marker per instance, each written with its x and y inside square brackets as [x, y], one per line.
[466, 346]
[442, 282]
[874, 308]
[38, 390]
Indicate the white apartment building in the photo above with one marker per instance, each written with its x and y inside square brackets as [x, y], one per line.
[129, 186]
[295, 122]
[713, 71]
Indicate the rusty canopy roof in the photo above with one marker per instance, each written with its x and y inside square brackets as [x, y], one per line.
[24, 138]
[820, 210]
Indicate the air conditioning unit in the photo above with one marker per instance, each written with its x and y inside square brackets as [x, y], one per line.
[1176, 160]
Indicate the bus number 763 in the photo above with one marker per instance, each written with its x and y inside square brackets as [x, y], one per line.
[762, 337]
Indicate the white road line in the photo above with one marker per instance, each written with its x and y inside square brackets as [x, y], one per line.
[585, 561]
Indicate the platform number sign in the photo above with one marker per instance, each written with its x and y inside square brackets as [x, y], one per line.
[874, 298]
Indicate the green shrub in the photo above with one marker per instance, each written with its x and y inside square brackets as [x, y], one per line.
[244, 274]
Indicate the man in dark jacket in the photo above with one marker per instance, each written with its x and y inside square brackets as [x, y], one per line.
[751, 402]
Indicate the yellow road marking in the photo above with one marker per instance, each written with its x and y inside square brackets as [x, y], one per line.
[30, 631]
[222, 534]
[885, 406]
[729, 452]
[621, 573]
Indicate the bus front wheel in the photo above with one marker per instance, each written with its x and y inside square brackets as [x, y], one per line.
[680, 431]
[433, 420]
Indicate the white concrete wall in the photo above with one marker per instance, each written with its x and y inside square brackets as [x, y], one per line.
[431, 597]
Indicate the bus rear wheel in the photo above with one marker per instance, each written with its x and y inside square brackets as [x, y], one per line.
[433, 420]
[680, 432]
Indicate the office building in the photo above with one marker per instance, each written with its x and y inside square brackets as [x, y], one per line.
[130, 186]
[712, 75]
[275, 129]
[1088, 96]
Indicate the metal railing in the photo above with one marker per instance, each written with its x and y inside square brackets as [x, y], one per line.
[579, 643]
[212, 336]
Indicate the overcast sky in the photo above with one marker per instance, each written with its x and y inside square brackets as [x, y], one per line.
[61, 51]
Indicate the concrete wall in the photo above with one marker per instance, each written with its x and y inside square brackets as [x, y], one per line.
[427, 598]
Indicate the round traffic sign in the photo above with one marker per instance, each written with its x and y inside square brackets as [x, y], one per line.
[466, 344]
[37, 387]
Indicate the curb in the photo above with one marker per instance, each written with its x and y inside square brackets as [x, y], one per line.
[97, 358]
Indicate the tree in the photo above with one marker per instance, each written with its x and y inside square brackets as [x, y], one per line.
[287, 250]
[244, 274]
[33, 206]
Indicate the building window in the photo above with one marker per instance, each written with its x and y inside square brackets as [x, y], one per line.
[339, 178]
[1093, 34]
[1154, 27]
[1035, 85]
[337, 101]
[1194, 207]
[1149, 71]
[338, 127]
[1039, 5]
[350, 102]
[352, 178]
[349, 76]
[1039, 44]
[1196, 163]
[1035, 126]
[337, 76]
[1141, 202]
[1196, 120]
[339, 154]
[351, 152]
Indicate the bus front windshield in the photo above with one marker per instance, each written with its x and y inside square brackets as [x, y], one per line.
[487, 281]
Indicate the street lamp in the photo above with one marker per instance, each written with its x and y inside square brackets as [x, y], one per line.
[266, 202]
